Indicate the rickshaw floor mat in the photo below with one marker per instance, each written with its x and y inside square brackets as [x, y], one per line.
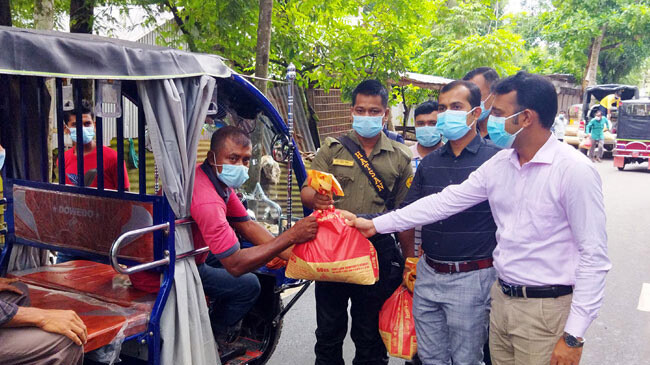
[252, 352]
[105, 322]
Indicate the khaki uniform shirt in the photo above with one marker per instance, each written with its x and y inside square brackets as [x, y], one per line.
[391, 160]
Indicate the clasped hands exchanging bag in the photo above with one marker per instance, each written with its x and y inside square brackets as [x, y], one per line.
[339, 253]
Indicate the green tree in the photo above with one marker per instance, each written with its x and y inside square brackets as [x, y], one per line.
[612, 34]
[469, 34]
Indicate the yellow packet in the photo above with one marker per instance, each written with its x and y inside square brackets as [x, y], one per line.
[324, 183]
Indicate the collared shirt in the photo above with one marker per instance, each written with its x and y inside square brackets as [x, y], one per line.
[391, 161]
[550, 221]
[470, 234]
[212, 215]
[7, 312]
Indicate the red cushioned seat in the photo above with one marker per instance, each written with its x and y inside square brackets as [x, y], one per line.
[96, 293]
[104, 321]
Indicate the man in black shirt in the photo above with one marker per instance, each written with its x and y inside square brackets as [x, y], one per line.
[451, 297]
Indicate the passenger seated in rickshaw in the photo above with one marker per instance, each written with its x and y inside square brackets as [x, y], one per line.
[34, 335]
[37, 336]
[219, 217]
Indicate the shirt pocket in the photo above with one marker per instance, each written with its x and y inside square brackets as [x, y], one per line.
[344, 175]
[543, 217]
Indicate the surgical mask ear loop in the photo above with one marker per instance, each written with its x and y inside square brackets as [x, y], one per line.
[475, 120]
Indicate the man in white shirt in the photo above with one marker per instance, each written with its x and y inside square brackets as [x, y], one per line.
[546, 199]
[559, 125]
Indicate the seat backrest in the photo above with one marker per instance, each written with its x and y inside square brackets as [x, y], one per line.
[81, 222]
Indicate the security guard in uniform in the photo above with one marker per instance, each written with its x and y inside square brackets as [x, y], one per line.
[375, 173]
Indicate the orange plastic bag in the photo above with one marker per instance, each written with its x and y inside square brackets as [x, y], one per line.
[410, 273]
[396, 324]
[339, 253]
[324, 183]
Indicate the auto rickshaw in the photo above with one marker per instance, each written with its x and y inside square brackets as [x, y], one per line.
[633, 134]
[161, 98]
[591, 103]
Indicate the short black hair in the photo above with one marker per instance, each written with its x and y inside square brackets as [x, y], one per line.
[372, 88]
[618, 92]
[86, 108]
[233, 133]
[489, 74]
[427, 107]
[534, 92]
[474, 92]
[598, 111]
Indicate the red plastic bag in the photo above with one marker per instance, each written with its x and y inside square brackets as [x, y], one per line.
[339, 253]
[396, 324]
[587, 142]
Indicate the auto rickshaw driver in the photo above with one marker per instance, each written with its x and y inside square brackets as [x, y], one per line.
[220, 216]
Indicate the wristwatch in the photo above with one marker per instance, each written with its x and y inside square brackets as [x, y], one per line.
[573, 341]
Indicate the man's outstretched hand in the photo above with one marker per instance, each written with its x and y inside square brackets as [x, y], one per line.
[365, 226]
[304, 230]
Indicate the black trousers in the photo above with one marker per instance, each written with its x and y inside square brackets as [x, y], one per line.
[332, 310]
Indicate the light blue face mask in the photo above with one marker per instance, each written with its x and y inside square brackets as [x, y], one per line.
[233, 176]
[88, 134]
[496, 127]
[428, 136]
[484, 112]
[453, 124]
[3, 155]
[367, 126]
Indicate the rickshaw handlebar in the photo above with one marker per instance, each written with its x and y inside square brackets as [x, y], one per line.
[127, 237]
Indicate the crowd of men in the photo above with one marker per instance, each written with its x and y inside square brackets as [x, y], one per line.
[508, 222]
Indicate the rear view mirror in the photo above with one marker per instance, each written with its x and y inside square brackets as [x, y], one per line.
[280, 148]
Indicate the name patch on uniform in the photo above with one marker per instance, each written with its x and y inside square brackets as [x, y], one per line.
[340, 162]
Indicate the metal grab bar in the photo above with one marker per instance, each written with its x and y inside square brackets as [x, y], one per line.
[123, 240]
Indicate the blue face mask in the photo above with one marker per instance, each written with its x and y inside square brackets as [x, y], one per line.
[3, 154]
[496, 127]
[428, 136]
[233, 176]
[453, 124]
[484, 112]
[367, 126]
[89, 134]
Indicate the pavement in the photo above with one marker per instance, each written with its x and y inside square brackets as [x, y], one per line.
[620, 335]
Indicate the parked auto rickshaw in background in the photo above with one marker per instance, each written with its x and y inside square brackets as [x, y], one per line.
[591, 103]
[160, 98]
[633, 134]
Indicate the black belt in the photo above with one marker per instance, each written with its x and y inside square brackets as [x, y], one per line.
[456, 267]
[547, 291]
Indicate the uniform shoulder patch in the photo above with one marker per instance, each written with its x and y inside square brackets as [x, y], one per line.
[329, 141]
[403, 149]
[409, 181]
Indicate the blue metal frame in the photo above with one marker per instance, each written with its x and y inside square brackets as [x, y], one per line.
[162, 212]
[278, 122]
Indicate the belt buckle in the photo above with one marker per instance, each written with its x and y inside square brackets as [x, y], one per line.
[506, 289]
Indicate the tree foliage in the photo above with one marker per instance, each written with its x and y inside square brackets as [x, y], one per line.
[470, 34]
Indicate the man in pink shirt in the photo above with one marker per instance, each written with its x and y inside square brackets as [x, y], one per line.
[219, 217]
[551, 255]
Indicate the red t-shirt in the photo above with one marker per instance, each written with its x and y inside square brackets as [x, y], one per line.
[90, 168]
[212, 216]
